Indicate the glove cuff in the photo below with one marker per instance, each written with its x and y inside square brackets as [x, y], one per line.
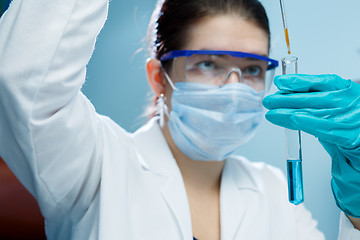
[345, 185]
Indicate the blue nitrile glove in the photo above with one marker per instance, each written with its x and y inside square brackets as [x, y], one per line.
[327, 107]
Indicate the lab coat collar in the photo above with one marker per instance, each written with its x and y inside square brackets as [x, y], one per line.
[241, 171]
[155, 156]
[154, 153]
[237, 182]
[238, 192]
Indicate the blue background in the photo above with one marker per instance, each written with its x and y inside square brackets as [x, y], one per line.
[324, 36]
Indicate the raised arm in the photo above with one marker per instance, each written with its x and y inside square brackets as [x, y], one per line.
[48, 128]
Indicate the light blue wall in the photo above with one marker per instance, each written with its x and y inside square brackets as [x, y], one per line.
[116, 82]
[324, 35]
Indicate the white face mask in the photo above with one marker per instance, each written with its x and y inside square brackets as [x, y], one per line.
[210, 123]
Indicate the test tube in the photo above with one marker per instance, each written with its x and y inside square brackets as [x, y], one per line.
[293, 147]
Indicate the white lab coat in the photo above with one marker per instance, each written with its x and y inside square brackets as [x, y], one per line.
[92, 179]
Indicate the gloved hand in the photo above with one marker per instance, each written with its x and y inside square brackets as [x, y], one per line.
[327, 107]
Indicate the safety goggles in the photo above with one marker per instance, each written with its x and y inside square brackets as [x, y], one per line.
[218, 68]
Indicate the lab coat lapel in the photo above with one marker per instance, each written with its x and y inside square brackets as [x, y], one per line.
[156, 157]
[175, 196]
[238, 190]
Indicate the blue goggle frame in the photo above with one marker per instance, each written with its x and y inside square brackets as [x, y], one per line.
[186, 53]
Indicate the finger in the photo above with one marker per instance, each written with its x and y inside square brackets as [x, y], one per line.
[310, 83]
[315, 100]
[330, 125]
[281, 117]
[288, 118]
[341, 133]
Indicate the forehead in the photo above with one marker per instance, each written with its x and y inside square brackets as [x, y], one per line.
[227, 32]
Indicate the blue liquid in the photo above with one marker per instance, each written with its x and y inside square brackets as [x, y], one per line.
[295, 181]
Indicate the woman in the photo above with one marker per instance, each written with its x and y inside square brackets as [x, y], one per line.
[169, 180]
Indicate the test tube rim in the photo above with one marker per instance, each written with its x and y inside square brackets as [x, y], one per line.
[289, 59]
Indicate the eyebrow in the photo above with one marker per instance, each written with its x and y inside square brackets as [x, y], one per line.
[259, 54]
[254, 59]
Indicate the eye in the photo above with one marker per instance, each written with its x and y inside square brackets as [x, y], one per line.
[206, 65]
[253, 70]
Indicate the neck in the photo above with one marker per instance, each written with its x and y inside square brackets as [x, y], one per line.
[203, 176]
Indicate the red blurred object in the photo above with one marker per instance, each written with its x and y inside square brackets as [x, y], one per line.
[20, 217]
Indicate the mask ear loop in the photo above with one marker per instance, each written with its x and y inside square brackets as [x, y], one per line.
[161, 109]
[167, 77]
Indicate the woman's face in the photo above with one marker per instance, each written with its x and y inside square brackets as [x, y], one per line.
[224, 32]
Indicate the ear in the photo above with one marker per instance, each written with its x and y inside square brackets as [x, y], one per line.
[155, 76]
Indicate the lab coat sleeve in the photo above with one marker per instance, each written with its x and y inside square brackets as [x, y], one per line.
[307, 225]
[48, 128]
[347, 230]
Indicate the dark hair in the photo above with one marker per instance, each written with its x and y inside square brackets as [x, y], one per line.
[172, 20]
